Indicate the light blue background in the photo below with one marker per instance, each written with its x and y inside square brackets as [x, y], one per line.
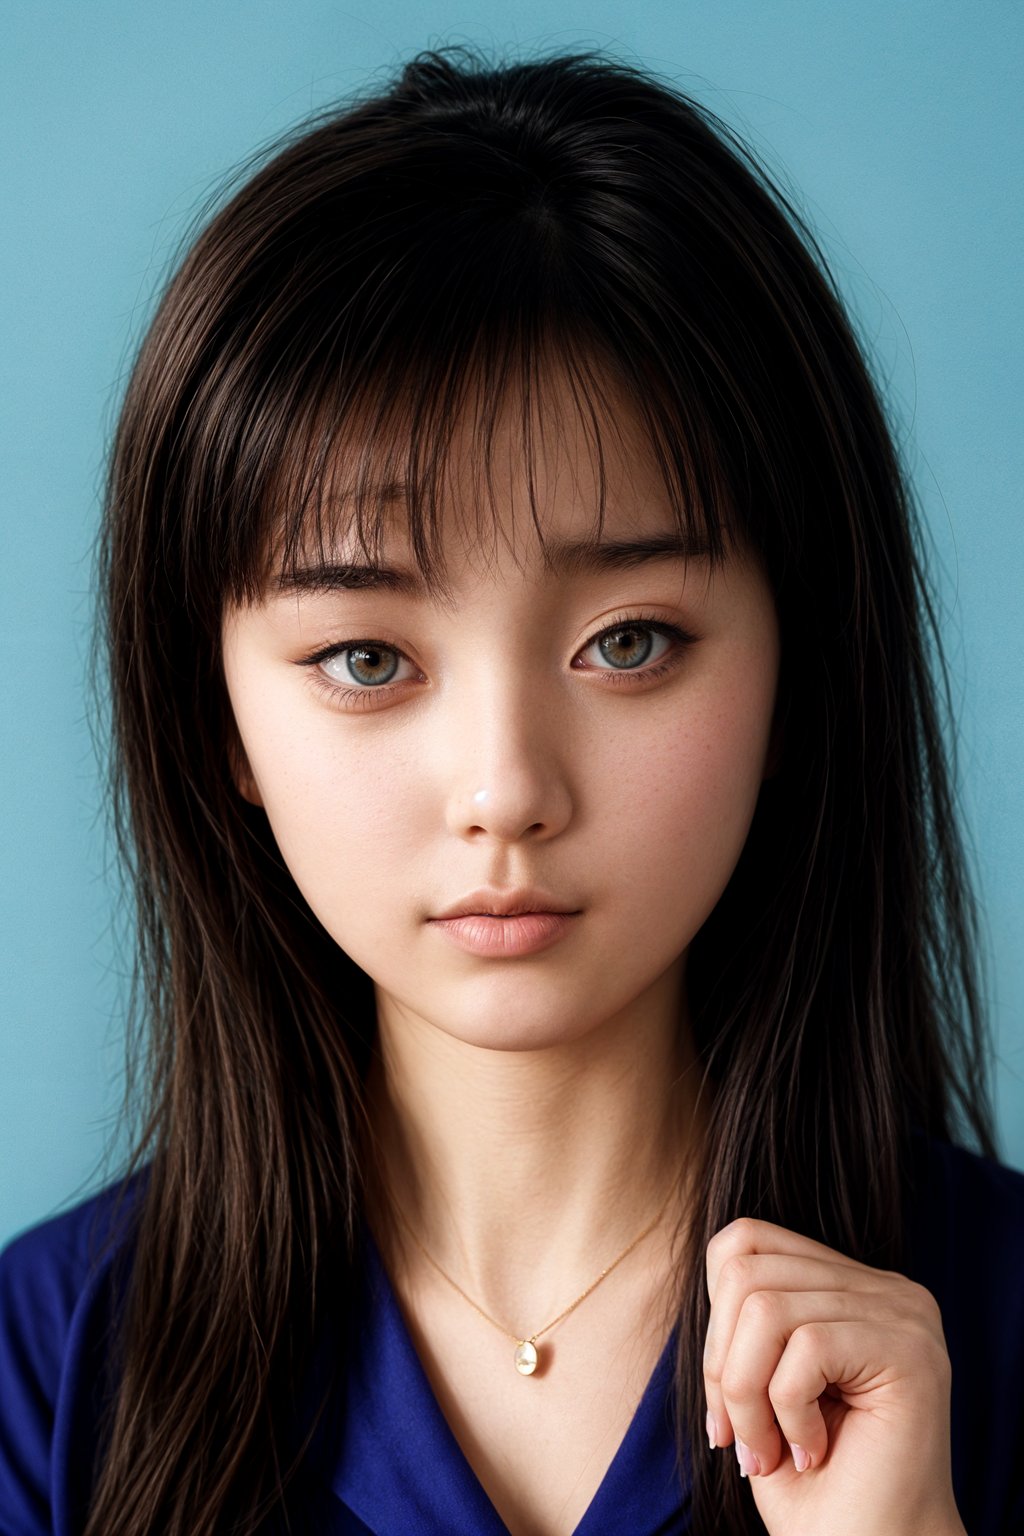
[900, 126]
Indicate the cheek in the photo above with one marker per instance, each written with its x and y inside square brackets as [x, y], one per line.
[685, 815]
[341, 805]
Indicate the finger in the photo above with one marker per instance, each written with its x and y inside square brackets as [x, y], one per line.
[737, 1377]
[743, 1274]
[748, 1236]
[757, 1278]
[857, 1355]
[765, 1399]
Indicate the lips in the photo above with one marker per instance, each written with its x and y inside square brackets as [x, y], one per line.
[507, 935]
[492, 902]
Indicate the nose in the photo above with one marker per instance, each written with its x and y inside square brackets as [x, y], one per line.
[508, 774]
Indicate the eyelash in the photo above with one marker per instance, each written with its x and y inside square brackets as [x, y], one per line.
[362, 698]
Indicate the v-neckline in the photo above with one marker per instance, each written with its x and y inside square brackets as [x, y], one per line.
[399, 1446]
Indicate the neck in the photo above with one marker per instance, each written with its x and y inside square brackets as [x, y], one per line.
[525, 1173]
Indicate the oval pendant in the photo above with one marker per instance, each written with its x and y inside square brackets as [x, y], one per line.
[526, 1358]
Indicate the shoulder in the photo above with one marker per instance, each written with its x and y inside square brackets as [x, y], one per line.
[55, 1304]
[966, 1229]
[966, 1220]
[45, 1269]
[967, 1217]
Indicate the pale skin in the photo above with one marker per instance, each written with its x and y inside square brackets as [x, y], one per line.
[532, 1113]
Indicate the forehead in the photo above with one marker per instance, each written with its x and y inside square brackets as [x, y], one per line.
[540, 477]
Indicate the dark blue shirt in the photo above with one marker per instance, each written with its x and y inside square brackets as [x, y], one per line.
[394, 1467]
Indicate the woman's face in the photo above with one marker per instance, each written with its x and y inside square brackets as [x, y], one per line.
[597, 730]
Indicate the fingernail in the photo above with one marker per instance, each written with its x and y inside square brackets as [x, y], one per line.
[801, 1460]
[749, 1464]
[712, 1431]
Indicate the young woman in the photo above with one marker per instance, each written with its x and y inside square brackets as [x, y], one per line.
[557, 1005]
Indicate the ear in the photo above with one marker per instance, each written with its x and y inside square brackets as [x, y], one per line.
[241, 773]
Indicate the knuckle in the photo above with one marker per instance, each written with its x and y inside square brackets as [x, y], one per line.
[735, 1235]
[936, 1354]
[810, 1338]
[787, 1394]
[738, 1385]
[743, 1229]
[762, 1307]
[921, 1315]
[736, 1270]
[910, 1292]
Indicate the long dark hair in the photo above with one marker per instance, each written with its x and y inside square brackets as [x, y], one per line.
[464, 227]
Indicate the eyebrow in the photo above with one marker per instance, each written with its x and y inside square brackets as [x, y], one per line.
[570, 558]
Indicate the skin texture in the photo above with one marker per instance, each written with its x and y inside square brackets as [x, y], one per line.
[538, 1093]
[531, 1113]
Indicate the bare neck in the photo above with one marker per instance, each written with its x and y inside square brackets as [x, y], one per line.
[524, 1173]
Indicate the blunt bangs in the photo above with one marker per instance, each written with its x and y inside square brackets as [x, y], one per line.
[427, 450]
[414, 276]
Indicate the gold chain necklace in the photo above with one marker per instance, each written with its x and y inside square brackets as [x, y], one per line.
[527, 1357]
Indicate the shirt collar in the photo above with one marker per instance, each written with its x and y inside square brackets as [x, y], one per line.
[400, 1467]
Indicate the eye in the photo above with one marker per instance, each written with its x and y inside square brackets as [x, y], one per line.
[637, 648]
[629, 646]
[368, 663]
[633, 650]
[357, 674]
